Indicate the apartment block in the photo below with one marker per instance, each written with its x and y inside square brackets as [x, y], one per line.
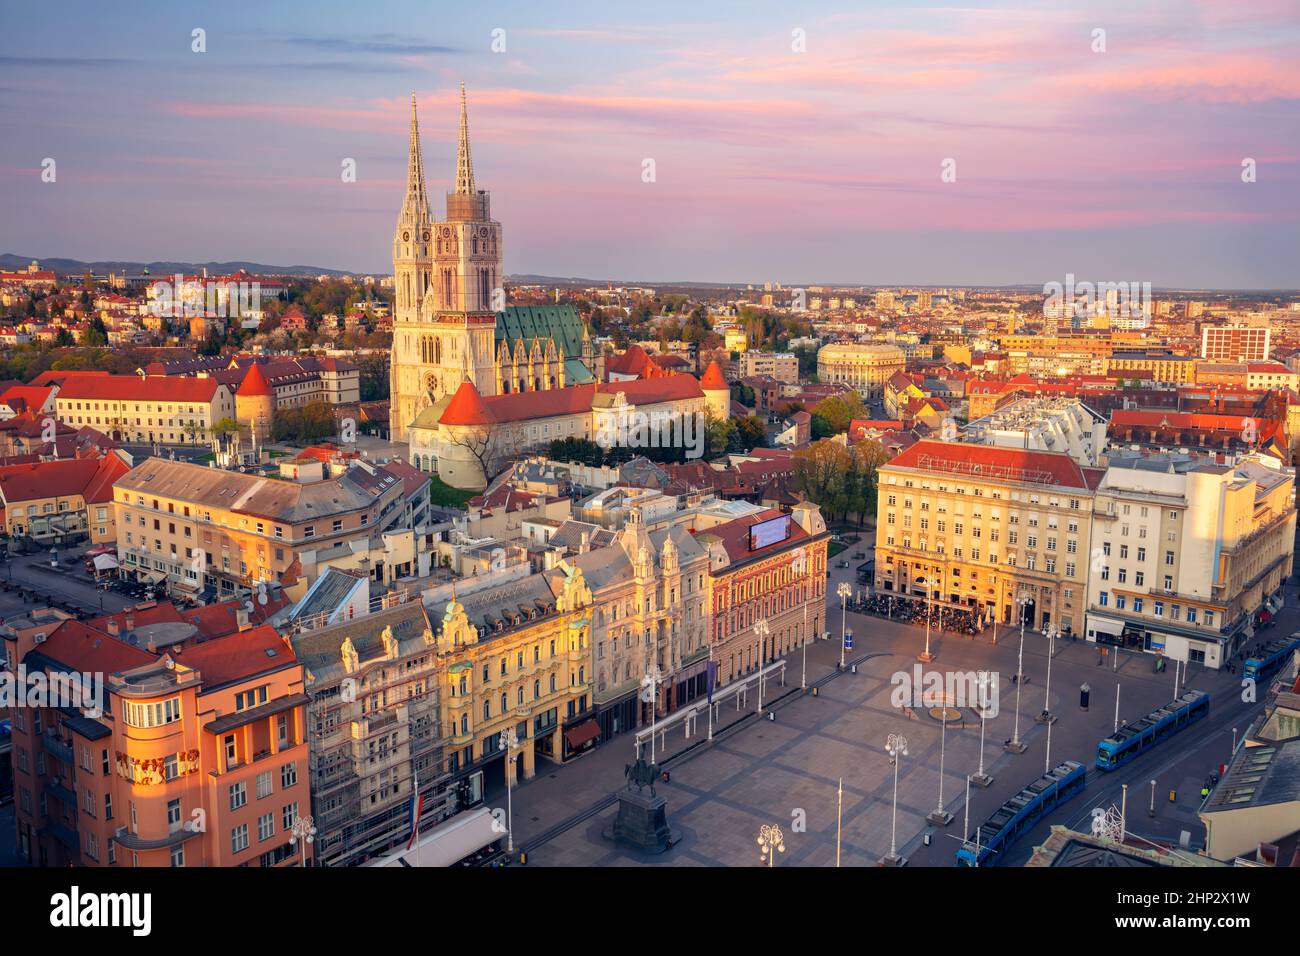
[1189, 555]
[189, 754]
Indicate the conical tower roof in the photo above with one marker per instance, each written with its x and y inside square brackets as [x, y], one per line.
[466, 408]
[255, 383]
[713, 379]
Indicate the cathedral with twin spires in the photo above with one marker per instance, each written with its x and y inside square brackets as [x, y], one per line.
[450, 320]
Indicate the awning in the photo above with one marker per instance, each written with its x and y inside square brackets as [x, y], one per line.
[152, 577]
[105, 562]
[582, 734]
[446, 845]
[1105, 625]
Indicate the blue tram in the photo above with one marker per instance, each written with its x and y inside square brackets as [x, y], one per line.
[1139, 736]
[1021, 812]
[1270, 657]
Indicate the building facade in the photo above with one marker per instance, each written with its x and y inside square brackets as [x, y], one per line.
[768, 567]
[1188, 555]
[1002, 532]
[195, 756]
[865, 367]
[153, 409]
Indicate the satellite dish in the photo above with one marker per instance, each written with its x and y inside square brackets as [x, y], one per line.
[248, 605]
[261, 597]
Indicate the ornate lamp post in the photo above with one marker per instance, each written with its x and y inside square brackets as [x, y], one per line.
[762, 630]
[896, 747]
[509, 740]
[981, 778]
[302, 833]
[941, 817]
[843, 591]
[771, 841]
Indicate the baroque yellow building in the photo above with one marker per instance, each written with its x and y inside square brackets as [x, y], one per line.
[516, 657]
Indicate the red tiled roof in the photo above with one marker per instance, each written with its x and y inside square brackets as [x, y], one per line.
[735, 535]
[992, 463]
[33, 396]
[89, 477]
[238, 656]
[84, 649]
[133, 388]
[713, 379]
[1157, 418]
[467, 407]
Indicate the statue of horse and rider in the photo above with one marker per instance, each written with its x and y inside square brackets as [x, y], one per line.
[641, 774]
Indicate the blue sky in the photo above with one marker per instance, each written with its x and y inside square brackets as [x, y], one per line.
[819, 165]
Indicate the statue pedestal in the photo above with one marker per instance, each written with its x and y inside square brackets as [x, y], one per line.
[642, 822]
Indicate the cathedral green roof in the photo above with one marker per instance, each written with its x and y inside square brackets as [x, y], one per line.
[529, 322]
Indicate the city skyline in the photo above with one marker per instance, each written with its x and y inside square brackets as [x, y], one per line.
[758, 150]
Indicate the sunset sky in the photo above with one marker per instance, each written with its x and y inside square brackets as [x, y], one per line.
[813, 167]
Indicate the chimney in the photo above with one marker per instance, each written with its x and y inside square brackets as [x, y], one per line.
[113, 627]
[241, 618]
[130, 620]
[585, 544]
[153, 646]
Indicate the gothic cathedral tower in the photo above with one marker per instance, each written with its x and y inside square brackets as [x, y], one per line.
[448, 278]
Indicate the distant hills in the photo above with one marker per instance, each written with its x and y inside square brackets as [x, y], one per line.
[9, 261]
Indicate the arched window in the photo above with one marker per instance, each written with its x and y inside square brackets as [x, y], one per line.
[520, 695]
[464, 723]
[487, 709]
[537, 689]
[552, 683]
[505, 702]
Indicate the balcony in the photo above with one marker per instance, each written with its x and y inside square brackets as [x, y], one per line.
[57, 748]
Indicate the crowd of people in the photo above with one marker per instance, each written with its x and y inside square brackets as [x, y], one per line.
[913, 611]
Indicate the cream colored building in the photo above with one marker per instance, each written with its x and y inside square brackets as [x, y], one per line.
[1187, 555]
[195, 527]
[153, 409]
[470, 438]
[864, 366]
[782, 366]
[998, 531]
[649, 592]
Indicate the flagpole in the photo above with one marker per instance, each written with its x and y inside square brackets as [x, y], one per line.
[708, 681]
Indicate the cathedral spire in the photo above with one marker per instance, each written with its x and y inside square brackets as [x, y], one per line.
[464, 166]
[417, 200]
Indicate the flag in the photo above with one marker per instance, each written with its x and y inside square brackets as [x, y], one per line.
[712, 671]
[417, 805]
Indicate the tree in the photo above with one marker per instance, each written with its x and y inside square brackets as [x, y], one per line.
[584, 451]
[820, 471]
[95, 335]
[836, 413]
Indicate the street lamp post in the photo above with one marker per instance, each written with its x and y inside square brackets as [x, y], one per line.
[1047, 717]
[1015, 746]
[925, 656]
[843, 591]
[771, 841]
[896, 747]
[302, 833]
[762, 630]
[941, 817]
[509, 740]
[981, 778]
